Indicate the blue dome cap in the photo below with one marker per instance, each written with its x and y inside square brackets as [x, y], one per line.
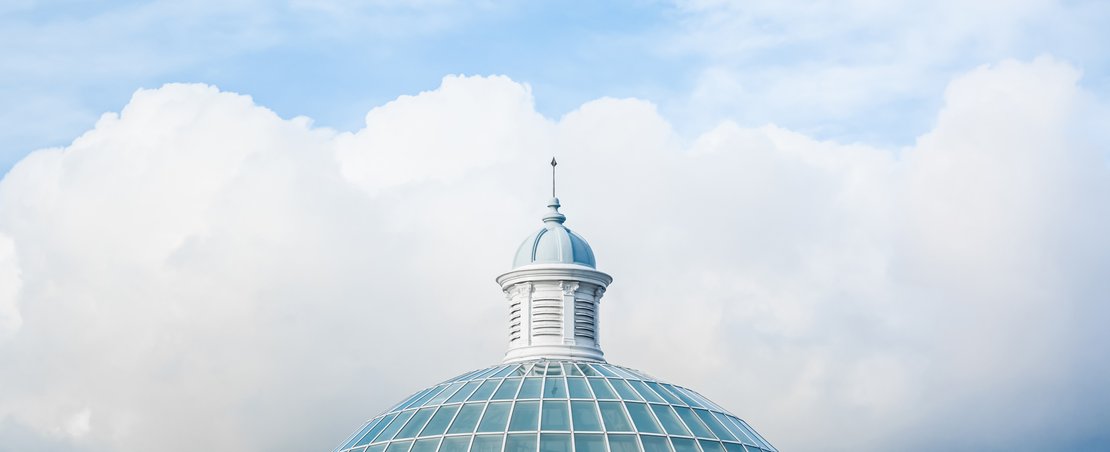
[554, 244]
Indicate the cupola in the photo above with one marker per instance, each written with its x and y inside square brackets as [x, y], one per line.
[554, 291]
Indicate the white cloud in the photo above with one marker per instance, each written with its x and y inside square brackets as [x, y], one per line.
[863, 70]
[79, 424]
[10, 284]
[431, 136]
[204, 275]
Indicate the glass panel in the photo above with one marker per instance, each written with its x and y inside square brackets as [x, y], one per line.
[538, 369]
[752, 433]
[507, 389]
[485, 390]
[377, 429]
[521, 442]
[530, 389]
[402, 446]
[440, 421]
[455, 444]
[556, 416]
[400, 405]
[585, 417]
[642, 418]
[520, 370]
[588, 371]
[526, 416]
[736, 430]
[645, 391]
[666, 394]
[554, 369]
[732, 447]
[465, 376]
[704, 401]
[603, 370]
[554, 388]
[571, 370]
[613, 415]
[682, 395]
[623, 373]
[442, 396]
[467, 418]
[495, 417]
[584, 442]
[416, 399]
[487, 443]
[711, 446]
[712, 423]
[637, 375]
[378, 448]
[526, 369]
[670, 422]
[361, 432]
[554, 442]
[502, 371]
[752, 448]
[683, 445]
[692, 421]
[487, 373]
[425, 445]
[394, 426]
[463, 393]
[623, 443]
[416, 423]
[601, 388]
[686, 395]
[423, 400]
[625, 390]
[506, 371]
[655, 443]
[578, 388]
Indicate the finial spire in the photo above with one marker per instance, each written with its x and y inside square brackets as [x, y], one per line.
[553, 163]
[553, 214]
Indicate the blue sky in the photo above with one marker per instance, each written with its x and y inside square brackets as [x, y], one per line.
[331, 65]
[847, 71]
[877, 222]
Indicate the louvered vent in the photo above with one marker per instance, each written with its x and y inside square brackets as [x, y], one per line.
[514, 322]
[547, 318]
[585, 319]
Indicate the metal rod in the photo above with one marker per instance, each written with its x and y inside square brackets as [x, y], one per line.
[553, 163]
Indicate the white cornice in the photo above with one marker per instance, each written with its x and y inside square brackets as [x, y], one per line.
[554, 272]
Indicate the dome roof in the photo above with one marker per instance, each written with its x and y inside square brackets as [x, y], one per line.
[596, 407]
[554, 244]
[555, 392]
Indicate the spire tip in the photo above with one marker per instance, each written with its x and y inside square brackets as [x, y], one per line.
[553, 163]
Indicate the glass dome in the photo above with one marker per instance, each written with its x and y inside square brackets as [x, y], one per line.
[555, 406]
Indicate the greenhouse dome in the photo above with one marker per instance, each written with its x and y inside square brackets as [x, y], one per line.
[556, 406]
[554, 390]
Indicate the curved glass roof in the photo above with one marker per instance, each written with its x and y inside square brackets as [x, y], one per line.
[555, 406]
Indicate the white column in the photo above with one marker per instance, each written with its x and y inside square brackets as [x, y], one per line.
[569, 288]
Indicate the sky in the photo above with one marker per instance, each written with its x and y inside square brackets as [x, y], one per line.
[245, 225]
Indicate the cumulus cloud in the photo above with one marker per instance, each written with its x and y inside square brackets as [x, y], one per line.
[197, 273]
[861, 69]
[10, 283]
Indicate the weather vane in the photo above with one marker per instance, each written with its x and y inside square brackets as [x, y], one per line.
[553, 163]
